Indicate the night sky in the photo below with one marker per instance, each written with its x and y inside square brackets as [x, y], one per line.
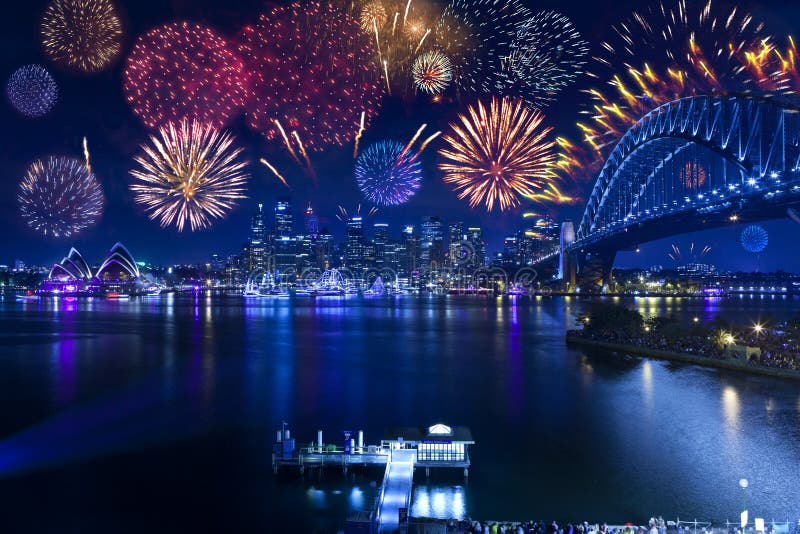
[94, 106]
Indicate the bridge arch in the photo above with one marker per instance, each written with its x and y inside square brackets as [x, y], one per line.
[696, 155]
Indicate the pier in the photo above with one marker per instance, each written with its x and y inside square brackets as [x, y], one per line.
[401, 451]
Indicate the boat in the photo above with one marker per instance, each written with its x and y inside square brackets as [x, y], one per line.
[332, 284]
[117, 296]
[377, 289]
[262, 285]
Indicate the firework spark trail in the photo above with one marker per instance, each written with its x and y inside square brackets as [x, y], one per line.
[278, 175]
[427, 31]
[287, 142]
[405, 14]
[309, 167]
[412, 141]
[358, 135]
[426, 141]
[189, 173]
[386, 73]
[86, 154]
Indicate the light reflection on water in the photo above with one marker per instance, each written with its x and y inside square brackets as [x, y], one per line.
[600, 437]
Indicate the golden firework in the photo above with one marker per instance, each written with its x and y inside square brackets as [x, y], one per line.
[498, 153]
[190, 172]
[82, 34]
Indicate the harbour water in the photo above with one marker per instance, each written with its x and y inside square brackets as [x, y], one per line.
[158, 414]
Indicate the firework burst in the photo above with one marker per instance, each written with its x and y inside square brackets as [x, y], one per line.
[754, 238]
[546, 56]
[373, 16]
[60, 197]
[663, 52]
[387, 174]
[314, 72]
[432, 72]
[190, 172]
[32, 91]
[498, 153]
[82, 34]
[184, 71]
[476, 35]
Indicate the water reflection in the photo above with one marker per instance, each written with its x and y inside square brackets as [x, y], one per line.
[438, 501]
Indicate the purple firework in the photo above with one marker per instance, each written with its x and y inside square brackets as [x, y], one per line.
[32, 90]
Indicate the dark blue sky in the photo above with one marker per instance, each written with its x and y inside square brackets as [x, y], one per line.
[94, 106]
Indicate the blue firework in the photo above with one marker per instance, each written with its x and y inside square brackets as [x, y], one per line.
[754, 238]
[387, 174]
[32, 90]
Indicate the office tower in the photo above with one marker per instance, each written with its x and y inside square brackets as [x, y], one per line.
[258, 245]
[354, 245]
[311, 221]
[477, 248]
[431, 244]
[408, 262]
[379, 243]
[284, 244]
[456, 236]
[324, 250]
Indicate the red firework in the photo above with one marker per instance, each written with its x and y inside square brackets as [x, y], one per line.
[313, 72]
[184, 71]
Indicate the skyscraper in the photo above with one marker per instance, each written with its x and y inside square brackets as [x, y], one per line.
[354, 245]
[379, 242]
[477, 255]
[258, 250]
[283, 217]
[284, 243]
[311, 221]
[431, 244]
[456, 235]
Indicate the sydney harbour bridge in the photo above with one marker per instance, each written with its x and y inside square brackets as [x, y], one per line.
[691, 164]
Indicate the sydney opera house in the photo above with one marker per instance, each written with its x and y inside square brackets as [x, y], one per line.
[118, 274]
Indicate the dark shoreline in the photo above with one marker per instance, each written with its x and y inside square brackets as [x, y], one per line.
[704, 361]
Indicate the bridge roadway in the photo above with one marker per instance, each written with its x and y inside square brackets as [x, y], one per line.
[396, 489]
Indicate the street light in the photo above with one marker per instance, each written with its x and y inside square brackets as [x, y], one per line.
[758, 328]
[743, 484]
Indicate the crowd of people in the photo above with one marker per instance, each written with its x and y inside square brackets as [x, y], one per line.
[654, 526]
[776, 346]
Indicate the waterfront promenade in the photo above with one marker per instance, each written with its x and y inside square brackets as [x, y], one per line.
[685, 357]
